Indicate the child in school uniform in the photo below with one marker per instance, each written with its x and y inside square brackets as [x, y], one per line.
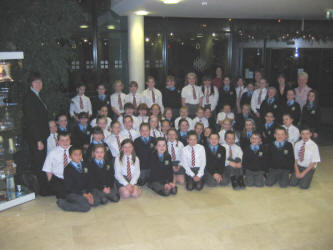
[144, 147]
[259, 95]
[225, 114]
[143, 113]
[52, 140]
[240, 90]
[80, 103]
[183, 114]
[290, 106]
[226, 126]
[165, 126]
[268, 128]
[114, 140]
[198, 129]
[211, 119]
[194, 162]
[183, 131]
[151, 95]
[271, 104]
[200, 118]
[207, 132]
[62, 123]
[311, 114]
[155, 110]
[102, 123]
[81, 132]
[191, 94]
[133, 96]
[168, 115]
[233, 170]
[101, 175]
[77, 197]
[175, 148]
[154, 127]
[117, 99]
[129, 110]
[255, 162]
[102, 112]
[227, 94]
[210, 94]
[101, 99]
[249, 129]
[280, 159]
[247, 96]
[97, 137]
[127, 171]
[171, 95]
[161, 173]
[128, 131]
[292, 131]
[306, 160]
[55, 163]
[244, 115]
[215, 160]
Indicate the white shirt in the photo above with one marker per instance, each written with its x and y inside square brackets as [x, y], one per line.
[134, 134]
[222, 135]
[187, 94]
[202, 120]
[120, 170]
[148, 98]
[293, 134]
[254, 99]
[222, 115]
[157, 132]
[311, 153]
[54, 162]
[114, 101]
[136, 122]
[178, 146]
[112, 143]
[108, 122]
[190, 123]
[142, 119]
[138, 98]
[75, 107]
[236, 152]
[212, 99]
[240, 90]
[52, 142]
[200, 160]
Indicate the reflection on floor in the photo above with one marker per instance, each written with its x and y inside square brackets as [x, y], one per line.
[219, 218]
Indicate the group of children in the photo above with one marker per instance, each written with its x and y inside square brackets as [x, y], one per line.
[98, 159]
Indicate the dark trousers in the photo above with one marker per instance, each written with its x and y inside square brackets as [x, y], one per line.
[305, 182]
[144, 176]
[75, 203]
[37, 161]
[210, 180]
[112, 196]
[57, 187]
[228, 173]
[191, 184]
[254, 178]
[158, 187]
[280, 176]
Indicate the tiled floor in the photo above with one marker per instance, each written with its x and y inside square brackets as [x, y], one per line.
[216, 218]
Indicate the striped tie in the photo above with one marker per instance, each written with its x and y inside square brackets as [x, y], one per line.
[301, 152]
[230, 152]
[130, 136]
[134, 101]
[173, 153]
[193, 157]
[207, 95]
[81, 103]
[129, 174]
[154, 134]
[259, 97]
[153, 95]
[65, 159]
[120, 103]
[194, 93]
[118, 142]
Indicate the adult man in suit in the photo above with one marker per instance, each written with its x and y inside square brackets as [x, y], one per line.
[36, 130]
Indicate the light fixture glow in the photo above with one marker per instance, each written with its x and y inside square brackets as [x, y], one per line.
[147, 39]
[171, 34]
[84, 26]
[85, 40]
[171, 1]
[214, 34]
[296, 53]
[110, 27]
[141, 12]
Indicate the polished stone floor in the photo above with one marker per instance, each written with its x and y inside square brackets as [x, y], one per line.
[216, 218]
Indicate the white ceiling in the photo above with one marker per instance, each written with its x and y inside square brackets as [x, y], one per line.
[271, 9]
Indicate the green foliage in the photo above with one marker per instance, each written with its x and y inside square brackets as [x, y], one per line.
[42, 29]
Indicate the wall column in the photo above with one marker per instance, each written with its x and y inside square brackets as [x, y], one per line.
[136, 50]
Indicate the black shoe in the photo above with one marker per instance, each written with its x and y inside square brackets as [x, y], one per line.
[235, 183]
[174, 190]
[141, 182]
[104, 200]
[189, 186]
[241, 182]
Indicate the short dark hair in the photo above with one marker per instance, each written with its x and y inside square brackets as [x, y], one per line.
[229, 132]
[97, 131]
[60, 115]
[63, 134]
[128, 105]
[280, 128]
[144, 124]
[33, 76]
[306, 127]
[74, 148]
[192, 133]
[83, 115]
[214, 133]
[256, 134]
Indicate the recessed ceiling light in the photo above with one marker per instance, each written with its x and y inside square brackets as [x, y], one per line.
[84, 26]
[141, 12]
[171, 1]
[214, 34]
[110, 27]
[147, 39]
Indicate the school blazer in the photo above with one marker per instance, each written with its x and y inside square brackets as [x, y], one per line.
[255, 161]
[274, 107]
[74, 181]
[144, 151]
[282, 158]
[161, 171]
[80, 138]
[311, 117]
[294, 110]
[100, 178]
[215, 163]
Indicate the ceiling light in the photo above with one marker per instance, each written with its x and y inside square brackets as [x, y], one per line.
[85, 40]
[147, 39]
[171, 1]
[213, 34]
[141, 12]
[171, 34]
[84, 26]
[110, 27]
